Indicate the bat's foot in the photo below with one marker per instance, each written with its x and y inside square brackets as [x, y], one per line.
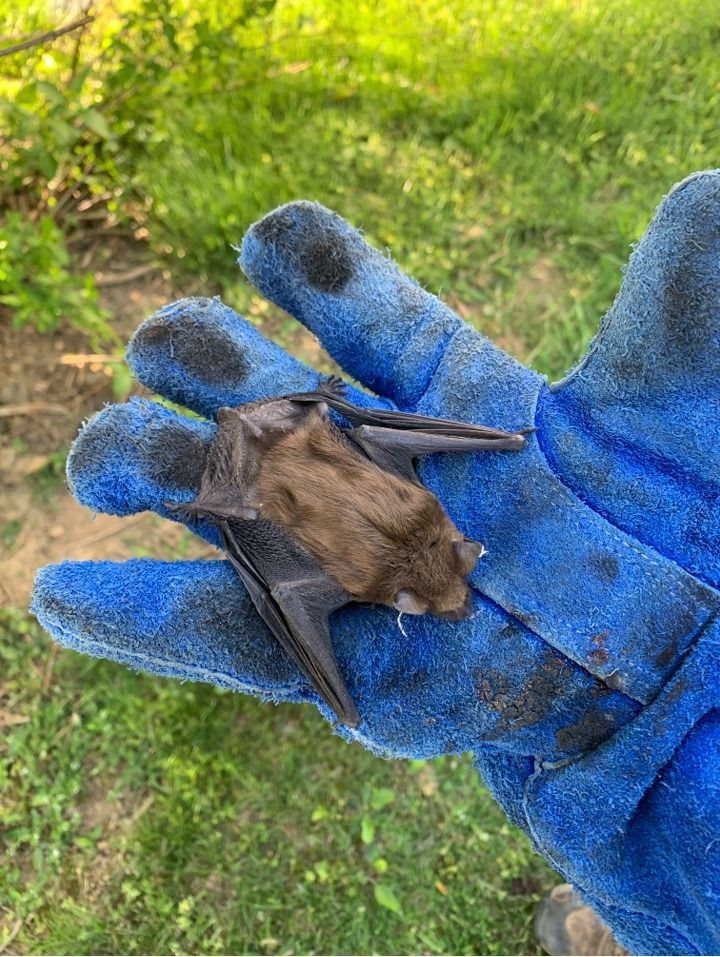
[332, 384]
[187, 512]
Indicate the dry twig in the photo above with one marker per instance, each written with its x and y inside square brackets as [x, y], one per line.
[32, 408]
[48, 37]
[14, 931]
[105, 279]
[80, 359]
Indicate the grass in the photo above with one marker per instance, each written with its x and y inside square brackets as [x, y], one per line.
[507, 153]
[145, 816]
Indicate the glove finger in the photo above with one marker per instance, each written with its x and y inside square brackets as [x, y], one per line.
[140, 456]
[203, 355]
[187, 620]
[443, 687]
[634, 429]
[658, 348]
[375, 321]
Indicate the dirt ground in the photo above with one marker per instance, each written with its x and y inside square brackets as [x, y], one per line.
[53, 384]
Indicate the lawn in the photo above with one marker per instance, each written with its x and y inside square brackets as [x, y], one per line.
[144, 816]
[507, 154]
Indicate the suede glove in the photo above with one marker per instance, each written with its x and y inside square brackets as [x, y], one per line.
[586, 679]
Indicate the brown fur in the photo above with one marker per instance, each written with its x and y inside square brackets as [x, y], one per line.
[376, 534]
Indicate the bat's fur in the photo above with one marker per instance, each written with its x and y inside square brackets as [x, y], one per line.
[378, 535]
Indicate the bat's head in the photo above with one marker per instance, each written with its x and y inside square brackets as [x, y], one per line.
[436, 567]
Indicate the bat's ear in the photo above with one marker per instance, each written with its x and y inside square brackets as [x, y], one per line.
[468, 552]
[409, 603]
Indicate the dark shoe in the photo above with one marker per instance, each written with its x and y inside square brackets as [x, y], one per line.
[565, 927]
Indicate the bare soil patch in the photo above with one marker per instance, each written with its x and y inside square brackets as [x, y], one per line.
[43, 402]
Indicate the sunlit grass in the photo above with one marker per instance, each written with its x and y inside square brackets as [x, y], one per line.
[145, 816]
[471, 140]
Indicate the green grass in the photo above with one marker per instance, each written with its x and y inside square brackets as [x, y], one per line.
[506, 152]
[145, 816]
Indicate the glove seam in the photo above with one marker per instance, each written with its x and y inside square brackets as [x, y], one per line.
[542, 847]
[619, 535]
[102, 650]
[442, 351]
[561, 651]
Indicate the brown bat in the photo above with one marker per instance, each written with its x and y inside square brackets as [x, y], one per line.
[313, 516]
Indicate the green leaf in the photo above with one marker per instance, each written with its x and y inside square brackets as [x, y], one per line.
[380, 797]
[63, 132]
[385, 896]
[43, 160]
[122, 382]
[27, 94]
[96, 122]
[322, 869]
[50, 91]
[367, 830]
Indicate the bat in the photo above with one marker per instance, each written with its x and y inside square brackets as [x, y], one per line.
[314, 515]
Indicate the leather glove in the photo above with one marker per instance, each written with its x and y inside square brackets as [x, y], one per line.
[585, 678]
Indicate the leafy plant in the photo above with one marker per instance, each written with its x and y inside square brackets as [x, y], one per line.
[37, 285]
[46, 479]
[75, 127]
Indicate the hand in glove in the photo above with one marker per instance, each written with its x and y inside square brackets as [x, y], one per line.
[586, 676]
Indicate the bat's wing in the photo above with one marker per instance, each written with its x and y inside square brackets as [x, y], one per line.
[227, 485]
[294, 597]
[393, 439]
[292, 593]
[395, 450]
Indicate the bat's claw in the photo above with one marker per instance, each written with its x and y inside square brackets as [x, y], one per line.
[187, 512]
[332, 384]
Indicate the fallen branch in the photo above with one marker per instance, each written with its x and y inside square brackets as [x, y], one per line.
[48, 37]
[80, 359]
[32, 408]
[14, 931]
[105, 279]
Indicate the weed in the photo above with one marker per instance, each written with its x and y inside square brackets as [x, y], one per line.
[44, 481]
[37, 286]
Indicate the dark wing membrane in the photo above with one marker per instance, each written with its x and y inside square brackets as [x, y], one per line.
[297, 614]
[395, 450]
[409, 422]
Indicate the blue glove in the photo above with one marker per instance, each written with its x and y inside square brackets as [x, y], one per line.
[585, 679]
